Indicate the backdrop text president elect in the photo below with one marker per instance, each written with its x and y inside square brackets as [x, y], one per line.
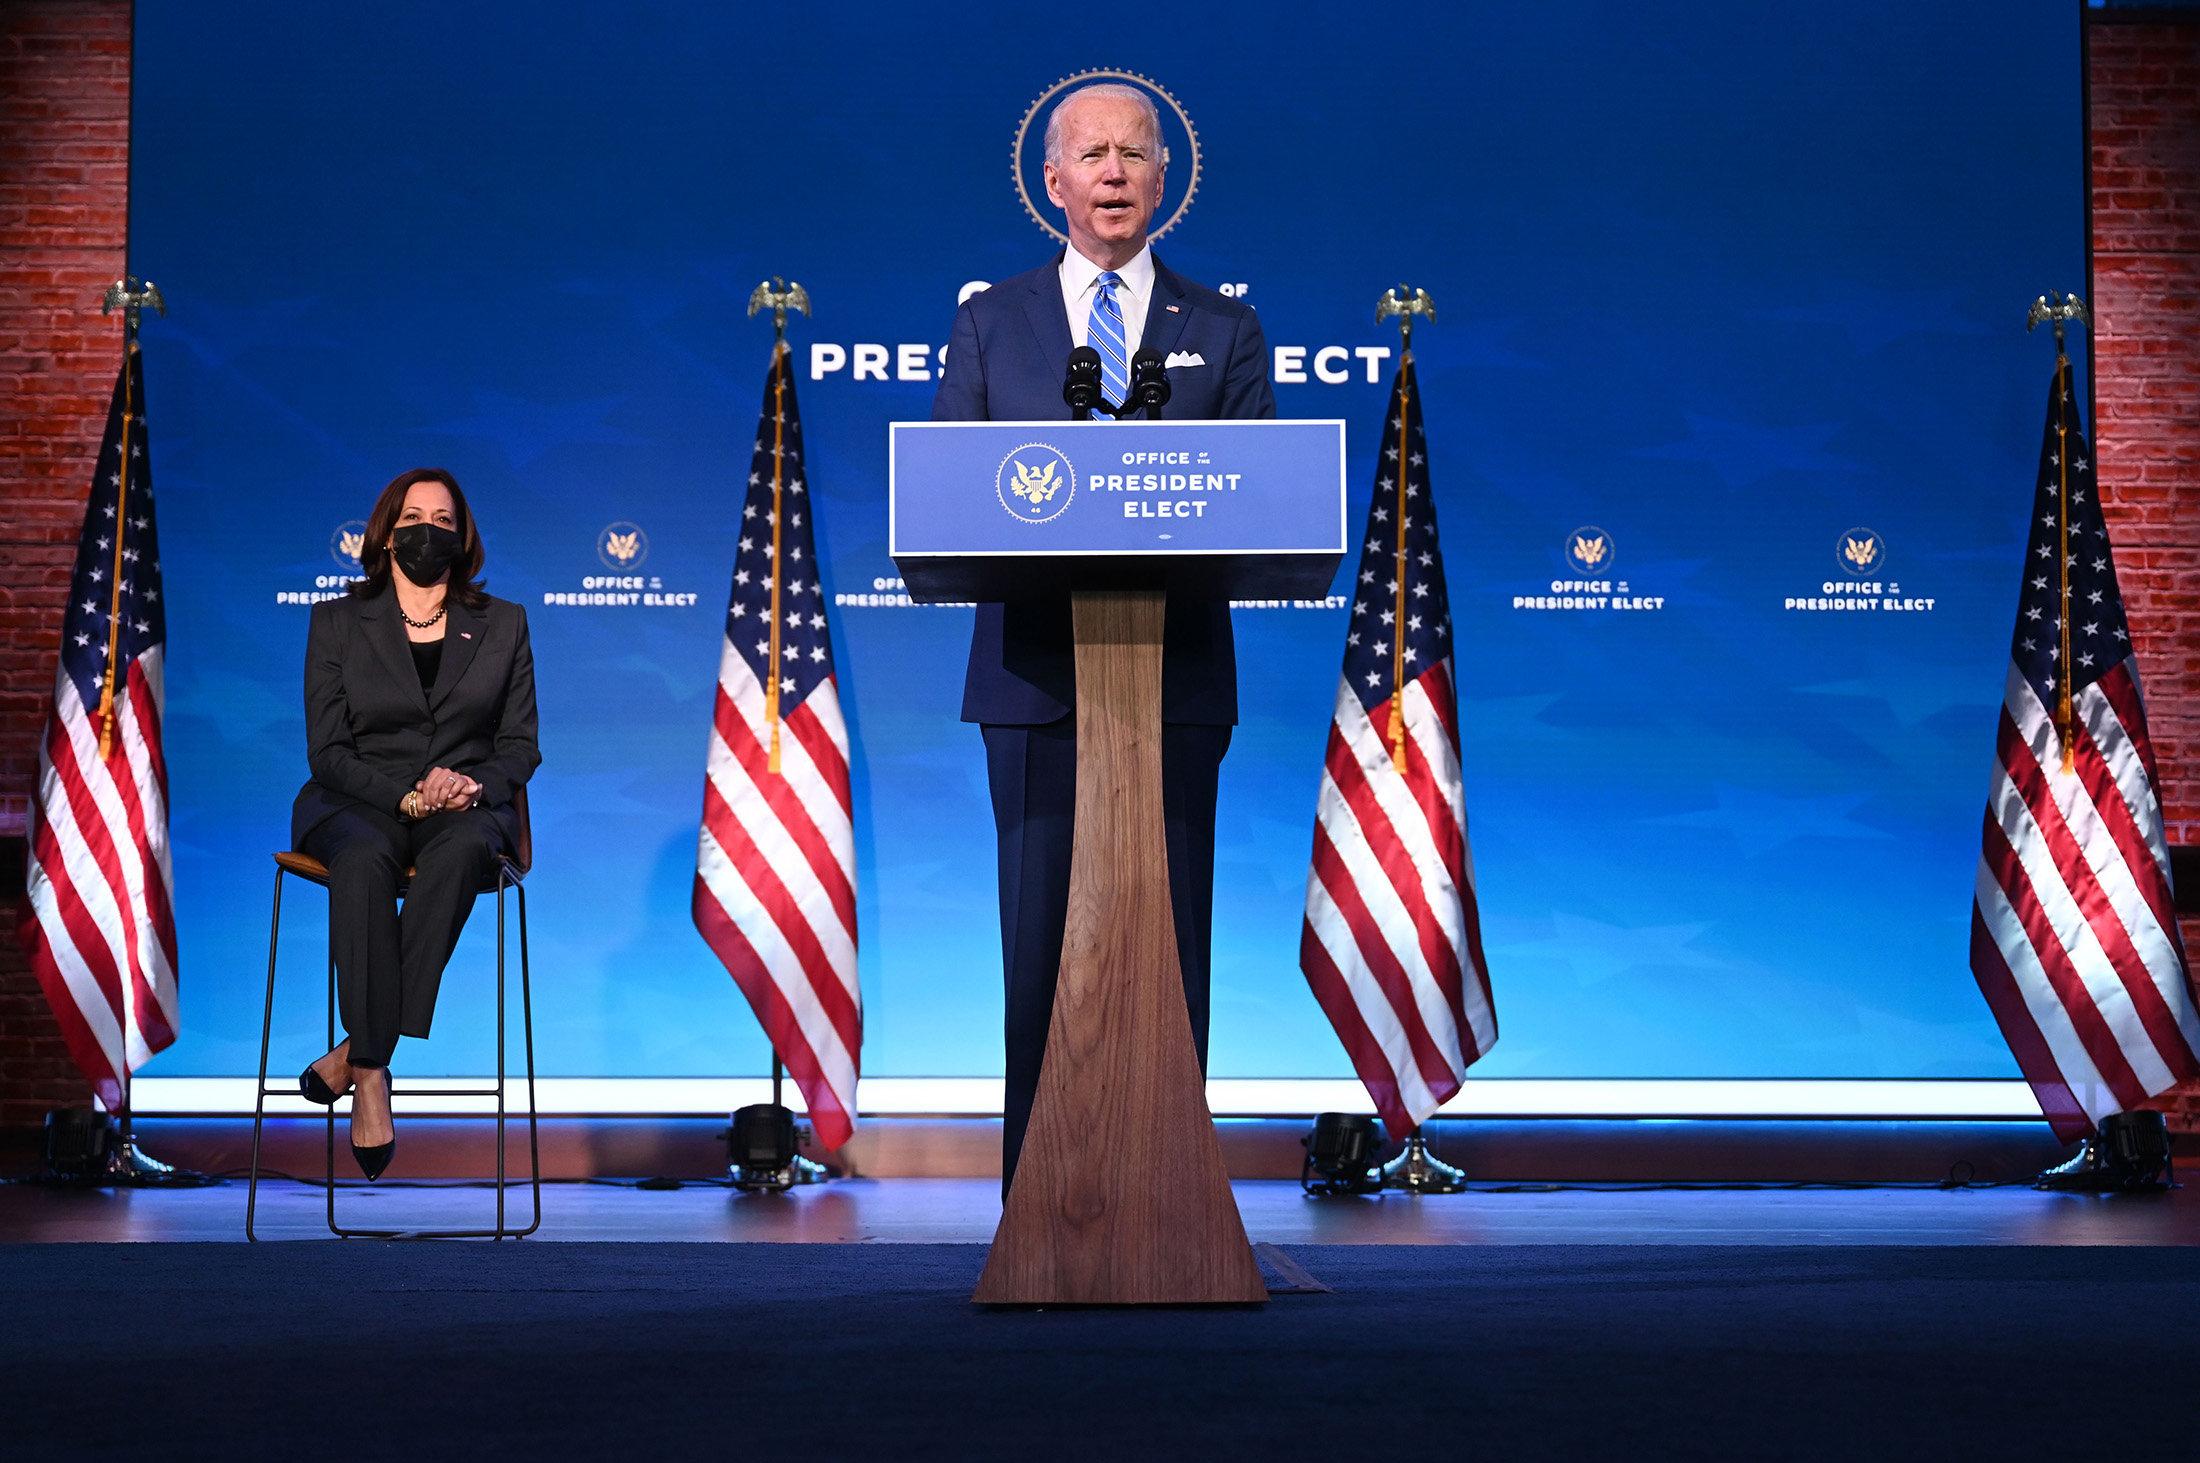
[1005, 362]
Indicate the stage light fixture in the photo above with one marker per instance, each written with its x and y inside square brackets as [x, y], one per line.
[80, 1144]
[1340, 1155]
[760, 1148]
[2129, 1155]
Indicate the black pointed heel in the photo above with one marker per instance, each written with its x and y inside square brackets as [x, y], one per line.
[375, 1161]
[313, 1088]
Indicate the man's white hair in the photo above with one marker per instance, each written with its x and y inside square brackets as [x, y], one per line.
[1103, 89]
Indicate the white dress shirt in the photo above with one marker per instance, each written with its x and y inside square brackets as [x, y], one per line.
[1081, 286]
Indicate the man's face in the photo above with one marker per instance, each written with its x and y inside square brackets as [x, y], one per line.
[1108, 180]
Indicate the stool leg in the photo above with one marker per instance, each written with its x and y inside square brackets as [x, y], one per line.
[527, 1033]
[330, 1187]
[267, 1023]
[500, 1050]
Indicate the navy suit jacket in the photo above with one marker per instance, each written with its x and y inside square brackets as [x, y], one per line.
[1005, 362]
[372, 731]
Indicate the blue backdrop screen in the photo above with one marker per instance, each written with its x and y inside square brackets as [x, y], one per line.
[1728, 286]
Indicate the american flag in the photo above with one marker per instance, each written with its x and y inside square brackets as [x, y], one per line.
[776, 866]
[1392, 943]
[101, 930]
[2073, 933]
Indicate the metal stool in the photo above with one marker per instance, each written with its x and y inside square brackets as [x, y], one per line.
[509, 873]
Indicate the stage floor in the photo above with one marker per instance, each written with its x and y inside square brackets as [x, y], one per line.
[964, 1211]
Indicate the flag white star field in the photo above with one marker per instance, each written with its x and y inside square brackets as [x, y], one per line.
[102, 929]
[1392, 943]
[775, 866]
[2073, 935]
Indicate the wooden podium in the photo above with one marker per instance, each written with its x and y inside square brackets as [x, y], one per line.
[1120, 1196]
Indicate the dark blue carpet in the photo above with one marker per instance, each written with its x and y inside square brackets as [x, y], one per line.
[846, 1351]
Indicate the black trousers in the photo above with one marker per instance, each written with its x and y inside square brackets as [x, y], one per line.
[389, 964]
[1033, 775]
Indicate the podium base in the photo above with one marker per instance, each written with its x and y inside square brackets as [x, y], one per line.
[1121, 1196]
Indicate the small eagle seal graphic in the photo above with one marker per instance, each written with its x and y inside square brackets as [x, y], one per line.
[1859, 551]
[1034, 487]
[1589, 551]
[623, 546]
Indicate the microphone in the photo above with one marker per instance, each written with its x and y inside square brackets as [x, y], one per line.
[1081, 388]
[1149, 383]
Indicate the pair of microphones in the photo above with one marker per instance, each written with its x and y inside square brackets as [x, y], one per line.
[1149, 386]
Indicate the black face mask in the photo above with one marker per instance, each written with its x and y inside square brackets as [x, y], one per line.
[424, 551]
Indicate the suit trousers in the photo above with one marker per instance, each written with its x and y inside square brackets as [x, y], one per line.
[389, 964]
[1033, 775]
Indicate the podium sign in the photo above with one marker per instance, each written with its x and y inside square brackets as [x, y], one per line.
[1224, 509]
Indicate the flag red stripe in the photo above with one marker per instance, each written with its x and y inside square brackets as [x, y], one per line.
[831, 762]
[2085, 887]
[91, 945]
[98, 839]
[91, 821]
[832, 1122]
[1405, 879]
[76, 1034]
[91, 832]
[781, 908]
[787, 807]
[1436, 681]
[1423, 782]
[2085, 1018]
[1334, 994]
[2099, 780]
[1382, 964]
[1423, 778]
[2122, 692]
[152, 1020]
[2065, 1114]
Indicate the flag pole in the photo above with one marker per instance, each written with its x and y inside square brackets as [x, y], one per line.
[128, 1166]
[131, 296]
[779, 296]
[2062, 309]
[778, 300]
[1404, 303]
[1415, 1170]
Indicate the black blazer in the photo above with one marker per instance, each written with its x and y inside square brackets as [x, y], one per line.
[1005, 362]
[372, 731]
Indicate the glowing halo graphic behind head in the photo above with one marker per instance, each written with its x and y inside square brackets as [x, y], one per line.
[1171, 111]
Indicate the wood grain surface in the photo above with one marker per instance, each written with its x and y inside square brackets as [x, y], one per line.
[1120, 1196]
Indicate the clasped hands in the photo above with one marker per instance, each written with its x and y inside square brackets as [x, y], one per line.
[441, 791]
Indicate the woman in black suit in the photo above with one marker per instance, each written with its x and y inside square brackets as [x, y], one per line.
[420, 727]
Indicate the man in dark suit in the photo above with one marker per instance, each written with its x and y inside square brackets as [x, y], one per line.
[1005, 362]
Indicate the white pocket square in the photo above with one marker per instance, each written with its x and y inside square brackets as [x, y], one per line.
[1184, 358]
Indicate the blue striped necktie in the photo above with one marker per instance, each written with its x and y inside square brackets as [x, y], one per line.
[1106, 335]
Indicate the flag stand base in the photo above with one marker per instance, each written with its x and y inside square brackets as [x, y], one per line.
[129, 1167]
[1418, 1171]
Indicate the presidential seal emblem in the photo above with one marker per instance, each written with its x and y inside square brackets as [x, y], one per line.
[347, 544]
[1035, 483]
[1179, 150]
[622, 546]
[1861, 553]
[1590, 551]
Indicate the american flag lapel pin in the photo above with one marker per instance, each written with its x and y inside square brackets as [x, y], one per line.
[1174, 309]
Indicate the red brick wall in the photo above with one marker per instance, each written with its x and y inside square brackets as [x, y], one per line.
[64, 190]
[2145, 81]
